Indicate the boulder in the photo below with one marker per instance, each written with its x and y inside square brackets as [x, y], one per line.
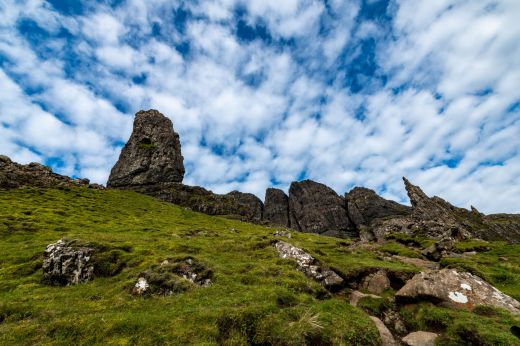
[309, 265]
[276, 207]
[387, 339]
[376, 283]
[14, 175]
[455, 289]
[152, 154]
[438, 250]
[420, 339]
[364, 206]
[316, 208]
[65, 263]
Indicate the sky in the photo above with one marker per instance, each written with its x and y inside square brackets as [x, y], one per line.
[263, 93]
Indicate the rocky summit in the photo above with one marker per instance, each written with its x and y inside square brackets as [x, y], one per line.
[152, 154]
[161, 262]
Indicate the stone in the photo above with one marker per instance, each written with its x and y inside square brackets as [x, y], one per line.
[171, 277]
[283, 233]
[420, 338]
[249, 202]
[66, 263]
[246, 207]
[276, 207]
[392, 319]
[438, 250]
[14, 175]
[309, 265]
[364, 206]
[455, 289]
[428, 265]
[356, 296]
[152, 154]
[387, 339]
[316, 208]
[376, 283]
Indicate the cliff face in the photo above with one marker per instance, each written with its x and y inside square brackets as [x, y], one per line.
[151, 162]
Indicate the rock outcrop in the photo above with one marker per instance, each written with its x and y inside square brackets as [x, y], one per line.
[65, 263]
[14, 175]
[387, 339]
[276, 207]
[455, 289]
[364, 206]
[316, 208]
[152, 154]
[309, 265]
[249, 202]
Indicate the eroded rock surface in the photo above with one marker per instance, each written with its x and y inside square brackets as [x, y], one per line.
[387, 339]
[14, 175]
[364, 206]
[276, 207]
[376, 283]
[316, 208]
[420, 339]
[65, 263]
[309, 265]
[455, 289]
[152, 154]
[249, 202]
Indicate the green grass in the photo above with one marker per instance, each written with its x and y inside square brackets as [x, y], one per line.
[256, 297]
[270, 299]
[484, 326]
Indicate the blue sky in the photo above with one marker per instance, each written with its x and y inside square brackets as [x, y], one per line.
[345, 92]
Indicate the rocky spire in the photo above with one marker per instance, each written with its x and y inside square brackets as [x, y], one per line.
[276, 207]
[316, 208]
[152, 154]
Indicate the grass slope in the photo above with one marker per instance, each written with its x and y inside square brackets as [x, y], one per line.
[256, 298]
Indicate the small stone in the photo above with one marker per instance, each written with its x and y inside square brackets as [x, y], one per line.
[65, 263]
[420, 339]
[141, 286]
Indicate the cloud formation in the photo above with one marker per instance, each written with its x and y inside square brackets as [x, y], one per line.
[267, 92]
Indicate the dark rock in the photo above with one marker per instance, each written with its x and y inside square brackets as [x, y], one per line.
[66, 263]
[316, 208]
[14, 175]
[364, 206]
[438, 250]
[151, 155]
[276, 207]
[249, 202]
[245, 206]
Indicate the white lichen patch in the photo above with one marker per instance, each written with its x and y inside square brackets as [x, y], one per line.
[465, 287]
[141, 286]
[458, 297]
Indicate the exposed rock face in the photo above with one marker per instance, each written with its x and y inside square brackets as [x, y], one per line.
[356, 296]
[387, 339]
[438, 250]
[316, 208]
[248, 201]
[376, 283]
[420, 339]
[364, 206]
[452, 288]
[276, 207]
[151, 155]
[246, 206]
[65, 263]
[14, 175]
[309, 265]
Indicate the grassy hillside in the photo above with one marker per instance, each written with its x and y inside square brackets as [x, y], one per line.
[256, 297]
